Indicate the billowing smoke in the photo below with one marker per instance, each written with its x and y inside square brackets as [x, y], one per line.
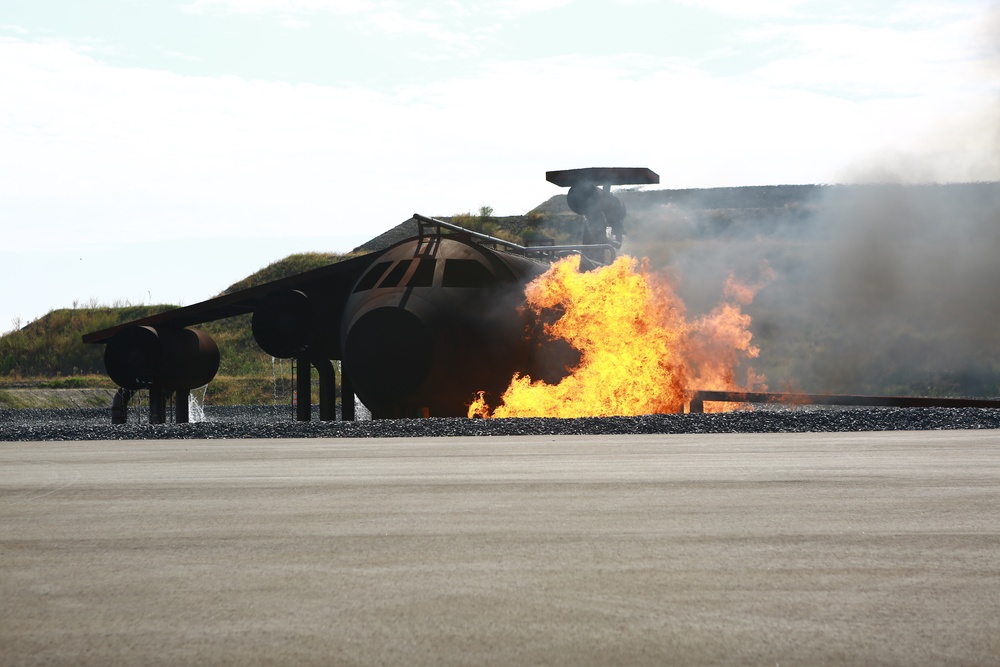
[887, 288]
[887, 284]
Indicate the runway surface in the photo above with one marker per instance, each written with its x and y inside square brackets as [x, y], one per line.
[833, 549]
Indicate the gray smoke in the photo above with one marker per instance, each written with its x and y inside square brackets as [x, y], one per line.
[884, 288]
[887, 284]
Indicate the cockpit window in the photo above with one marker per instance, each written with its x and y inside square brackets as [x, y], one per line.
[371, 277]
[423, 275]
[466, 273]
[396, 274]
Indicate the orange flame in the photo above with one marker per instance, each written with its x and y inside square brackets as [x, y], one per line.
[638, 353]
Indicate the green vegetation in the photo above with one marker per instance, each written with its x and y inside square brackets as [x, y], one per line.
[48, 354]
[50, 347]
[534, 228]
[33, 397]
[485, 223]
[289, 266]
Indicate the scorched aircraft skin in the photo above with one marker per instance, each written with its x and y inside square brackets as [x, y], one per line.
[419, 327]
[431, 320]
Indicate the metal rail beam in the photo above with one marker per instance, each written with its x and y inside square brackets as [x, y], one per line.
[698, 399]
[424, 221]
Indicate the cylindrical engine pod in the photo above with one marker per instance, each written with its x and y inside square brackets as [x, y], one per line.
[143, 357]
[284, 324]
[391, 348]
[584, 199]
[588, 200]
[133, 358]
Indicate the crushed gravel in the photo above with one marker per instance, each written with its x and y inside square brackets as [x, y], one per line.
[278, 422]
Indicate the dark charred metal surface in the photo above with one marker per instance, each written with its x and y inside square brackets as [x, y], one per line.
[334, 282]
[600, 208]
[140, 357]
[509, 251]
[434, 320]
[284, 324]
[420, 327]
[299, 317]
[567, 178]
[119, 406]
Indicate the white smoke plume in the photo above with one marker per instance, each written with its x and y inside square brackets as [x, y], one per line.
[881, 288]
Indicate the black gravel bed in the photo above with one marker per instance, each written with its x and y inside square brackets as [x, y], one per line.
[278, 422]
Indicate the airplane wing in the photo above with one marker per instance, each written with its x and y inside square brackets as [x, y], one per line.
[333, 282]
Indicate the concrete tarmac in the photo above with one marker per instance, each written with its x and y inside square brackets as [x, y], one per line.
[781, 549]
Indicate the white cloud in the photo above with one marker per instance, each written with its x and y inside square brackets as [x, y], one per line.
[866, 61]
[130, 151]
[148, 148]
[394, 23]
[957, 144]
[451, 24]
[931, 12]
[512, 9]
[221, 155]
[11, 28]
[458, 27]
[404, 12]
[95, 155]
[745, 9]
[285, 6]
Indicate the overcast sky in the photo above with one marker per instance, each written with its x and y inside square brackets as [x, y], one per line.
[158, 150]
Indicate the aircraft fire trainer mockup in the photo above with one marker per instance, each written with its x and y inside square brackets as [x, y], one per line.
[419, 327]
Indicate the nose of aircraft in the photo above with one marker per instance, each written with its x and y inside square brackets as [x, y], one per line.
[388, 353]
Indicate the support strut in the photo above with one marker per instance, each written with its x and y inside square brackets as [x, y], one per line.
[157, 406]
[119, 406]
[303, 390]
[346, 397]
[327, 389]
[182, 410]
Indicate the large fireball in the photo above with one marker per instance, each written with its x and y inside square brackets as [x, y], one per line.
[638, 352]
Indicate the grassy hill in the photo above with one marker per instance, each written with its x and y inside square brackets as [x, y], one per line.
[48, 354]
[863, 289]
